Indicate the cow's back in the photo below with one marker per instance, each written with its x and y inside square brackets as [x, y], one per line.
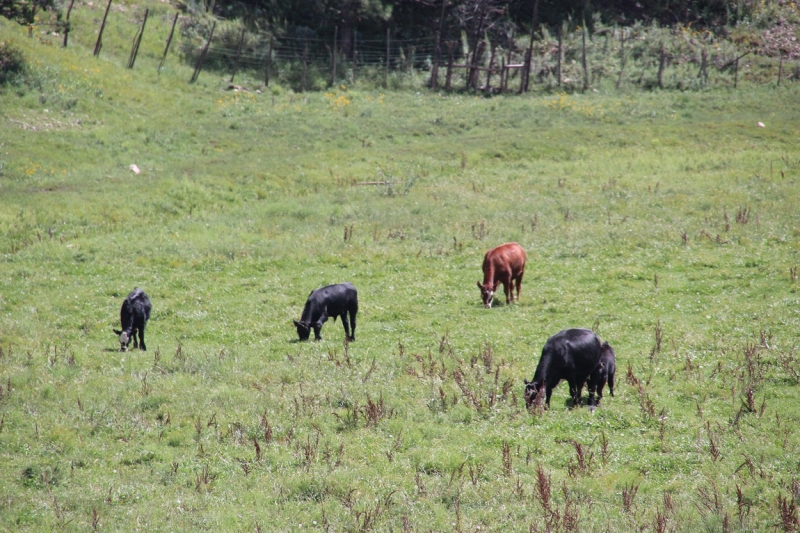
[509, 255]
[570, 350]
[137, 304]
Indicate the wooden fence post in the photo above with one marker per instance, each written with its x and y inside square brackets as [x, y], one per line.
[66, 23]
[388, 52]
[437, 53]
[584, 64]
[560, 53]
[303, 77]
[621, 57]
[662, 63]
[269, 62]
[335, 42]
[526, 71]
[449, 76]
[202, 58]
[99, 44]
[780, 70]
[703, 75]
[491, 65]
[137, 41]
[169, 41]
[355, 56]
[238, 54]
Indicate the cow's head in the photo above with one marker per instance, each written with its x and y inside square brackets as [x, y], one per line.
[124, 340]
[303, 330]
[607, 350]
[533, 392]
[487, 293]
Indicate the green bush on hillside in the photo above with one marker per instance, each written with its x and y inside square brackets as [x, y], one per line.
[12, 64]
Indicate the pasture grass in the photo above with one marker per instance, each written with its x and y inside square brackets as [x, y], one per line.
[666, 221]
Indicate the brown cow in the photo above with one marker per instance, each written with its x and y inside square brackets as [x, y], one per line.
[504, 264]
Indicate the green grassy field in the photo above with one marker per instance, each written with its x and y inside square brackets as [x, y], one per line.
[668, 222]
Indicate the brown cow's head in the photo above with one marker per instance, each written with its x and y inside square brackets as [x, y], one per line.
[303, 330]
[487, 293]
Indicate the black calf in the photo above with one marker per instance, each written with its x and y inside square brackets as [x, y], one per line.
[133, 317]
[330, 301]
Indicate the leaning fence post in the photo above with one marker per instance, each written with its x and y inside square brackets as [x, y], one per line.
[780, 70]
[99, 44]
[238, 54]
[202, 58]
[137, 41]
[169, 40]
[66, 23]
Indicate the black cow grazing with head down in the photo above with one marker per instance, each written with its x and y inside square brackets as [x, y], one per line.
[504, 264]
[603, 373]
[572, 354]
[133, 317]
[331, 301]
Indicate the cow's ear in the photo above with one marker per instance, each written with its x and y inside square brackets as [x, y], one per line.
[525, 380]
[117, 332]
[480, 286]
[296, 323]
[496, 283]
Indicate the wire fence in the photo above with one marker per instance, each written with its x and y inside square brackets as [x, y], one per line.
[612, 57]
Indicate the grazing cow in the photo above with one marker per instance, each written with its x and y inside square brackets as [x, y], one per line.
[572, 354]
[603, 372]
[133, 317]
[331, 301]
[504, 264]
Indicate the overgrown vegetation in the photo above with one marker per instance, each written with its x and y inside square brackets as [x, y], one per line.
[667, 221]
[12, 64]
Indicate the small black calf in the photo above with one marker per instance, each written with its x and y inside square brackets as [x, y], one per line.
[603, 372]
[133, 317]
[330, 301]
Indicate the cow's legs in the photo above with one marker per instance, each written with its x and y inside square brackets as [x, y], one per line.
[346, 325]
[592, 400]
[508, 288]
[141, 339]
[353, 324]
[133, 338]
[519, 284]
[318, 326]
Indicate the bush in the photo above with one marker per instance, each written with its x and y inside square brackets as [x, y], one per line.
[12, 64]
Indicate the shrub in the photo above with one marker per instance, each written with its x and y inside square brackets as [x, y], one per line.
[12, 64]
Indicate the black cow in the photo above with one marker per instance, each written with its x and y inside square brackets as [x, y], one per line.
[330, 301]
[603, 372]
[133, 317]
[571, 354]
